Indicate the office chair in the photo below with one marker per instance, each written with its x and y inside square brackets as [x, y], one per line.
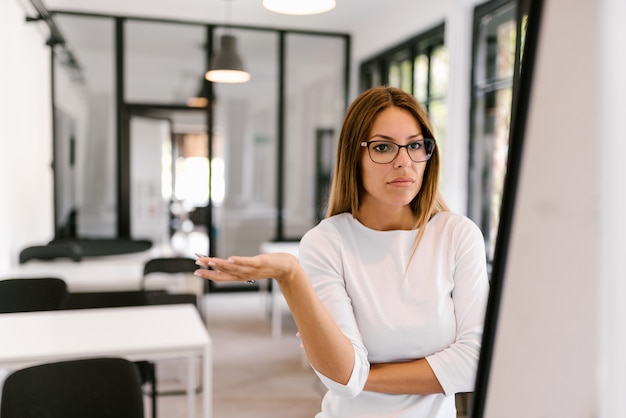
[32, 294]
[175, 274]
[94, 388]
[52, 251]
[117, 299]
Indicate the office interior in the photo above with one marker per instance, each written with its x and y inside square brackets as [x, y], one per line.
[561, 324]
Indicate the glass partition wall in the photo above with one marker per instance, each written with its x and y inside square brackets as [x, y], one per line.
[314, 91]
[245, 139]
[85, 109]
[247, 163]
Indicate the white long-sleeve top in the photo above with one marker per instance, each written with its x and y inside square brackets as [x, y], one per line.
[434, 309]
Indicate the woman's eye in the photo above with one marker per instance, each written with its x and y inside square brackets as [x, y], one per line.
[415, 145]
[382, 147]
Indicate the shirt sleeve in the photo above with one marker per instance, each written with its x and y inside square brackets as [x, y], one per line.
[456, 366]
[320, 257]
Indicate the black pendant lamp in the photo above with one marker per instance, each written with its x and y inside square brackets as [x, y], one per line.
[203, 96]
[226, 66]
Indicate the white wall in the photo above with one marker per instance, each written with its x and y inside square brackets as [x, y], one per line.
[612, 270]
[26, 202]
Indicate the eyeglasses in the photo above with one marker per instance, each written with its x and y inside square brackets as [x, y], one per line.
[384, 152]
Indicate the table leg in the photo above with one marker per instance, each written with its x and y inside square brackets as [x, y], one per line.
[191, 390]
[207, 383]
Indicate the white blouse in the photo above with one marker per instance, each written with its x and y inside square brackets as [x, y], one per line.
[434, 309]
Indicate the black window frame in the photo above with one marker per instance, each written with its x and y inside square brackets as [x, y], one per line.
[375, 71]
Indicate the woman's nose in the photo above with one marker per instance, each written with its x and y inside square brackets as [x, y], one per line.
[402, 159]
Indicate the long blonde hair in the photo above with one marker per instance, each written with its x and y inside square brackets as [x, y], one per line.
[347, 188]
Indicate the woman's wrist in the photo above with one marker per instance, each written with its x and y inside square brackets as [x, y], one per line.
[291, 271]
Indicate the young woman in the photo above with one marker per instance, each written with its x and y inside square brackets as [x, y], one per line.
[389, 291]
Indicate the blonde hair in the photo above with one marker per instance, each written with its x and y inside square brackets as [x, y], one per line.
[346, 188]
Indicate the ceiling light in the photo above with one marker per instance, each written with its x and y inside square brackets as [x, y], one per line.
[201, 98]
[299, 7]
[226, 66]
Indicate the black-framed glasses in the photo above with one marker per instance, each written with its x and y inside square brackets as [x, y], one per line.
[384, 152]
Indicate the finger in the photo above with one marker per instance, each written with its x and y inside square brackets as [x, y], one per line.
[202, 263]
[225, 270]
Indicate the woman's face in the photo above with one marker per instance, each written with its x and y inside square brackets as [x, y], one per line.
[396, 183]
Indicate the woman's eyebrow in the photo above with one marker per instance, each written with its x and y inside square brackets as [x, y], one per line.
[418, 135]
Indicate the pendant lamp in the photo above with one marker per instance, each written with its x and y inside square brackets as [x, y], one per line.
[201, 98]
[299, 7]
[226, 66]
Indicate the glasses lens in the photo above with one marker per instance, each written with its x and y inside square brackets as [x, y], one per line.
[421, 150]
[382, 152]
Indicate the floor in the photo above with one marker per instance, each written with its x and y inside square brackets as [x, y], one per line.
[255, 375]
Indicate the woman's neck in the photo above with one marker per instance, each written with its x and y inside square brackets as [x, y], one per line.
[389, 219]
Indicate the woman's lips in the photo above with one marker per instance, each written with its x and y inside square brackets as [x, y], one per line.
[401, 181]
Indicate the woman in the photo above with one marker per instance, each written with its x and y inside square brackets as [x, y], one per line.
[390, 289]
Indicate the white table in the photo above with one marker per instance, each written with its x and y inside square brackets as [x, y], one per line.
[276, 295]
[111, 273]
[135, 333]
[92, 274]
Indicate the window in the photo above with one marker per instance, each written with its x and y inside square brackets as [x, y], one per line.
[497, 44]
[418, 66]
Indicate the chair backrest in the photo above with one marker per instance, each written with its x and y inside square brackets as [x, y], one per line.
[170, 265]
[32, 294]
[186, 288]
[52, 251]
[94, 388]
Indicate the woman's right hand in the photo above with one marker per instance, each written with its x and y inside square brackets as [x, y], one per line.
[279, 266]
[328, 350]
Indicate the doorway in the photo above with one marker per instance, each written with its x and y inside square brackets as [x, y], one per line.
[169, 178]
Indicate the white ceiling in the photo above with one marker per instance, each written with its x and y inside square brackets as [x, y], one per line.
[84, 36]
[343, 18]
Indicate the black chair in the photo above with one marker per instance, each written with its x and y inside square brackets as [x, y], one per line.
[52, 251]
[180, 268]
[184, 287]
[118, 299]
[169, 265]
[94, 388]
[32, 294]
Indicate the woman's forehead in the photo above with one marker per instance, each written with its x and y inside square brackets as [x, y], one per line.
[395, 123]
